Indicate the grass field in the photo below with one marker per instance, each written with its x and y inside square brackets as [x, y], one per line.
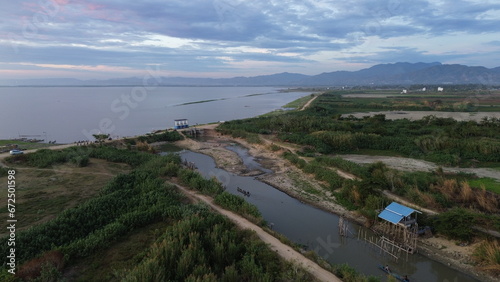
[124, 254]
[347, 101]
[41, 194]
[299, 103]
[295, 105]
[489, 184]
[23, 145]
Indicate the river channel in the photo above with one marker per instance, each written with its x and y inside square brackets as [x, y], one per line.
[317, 230]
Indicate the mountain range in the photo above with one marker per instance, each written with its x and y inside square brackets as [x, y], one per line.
[382, 74]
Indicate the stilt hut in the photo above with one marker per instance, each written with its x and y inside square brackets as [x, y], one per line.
[399, 228]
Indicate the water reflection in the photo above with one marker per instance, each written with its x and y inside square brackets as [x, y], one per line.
[317, 230]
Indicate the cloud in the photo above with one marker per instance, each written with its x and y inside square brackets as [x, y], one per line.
[201, 36]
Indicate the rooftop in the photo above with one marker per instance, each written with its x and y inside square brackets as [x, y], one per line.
[395, 212]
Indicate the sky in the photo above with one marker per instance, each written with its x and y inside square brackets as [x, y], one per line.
[101, 39]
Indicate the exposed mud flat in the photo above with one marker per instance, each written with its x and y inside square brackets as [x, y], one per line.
[439, 249]
[416, 115]
[408, 164]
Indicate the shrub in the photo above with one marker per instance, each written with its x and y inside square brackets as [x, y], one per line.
[239, 205]
[488, 256]
[456, 224]
[35, 267]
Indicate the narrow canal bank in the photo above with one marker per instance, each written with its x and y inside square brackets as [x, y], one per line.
[316, 229]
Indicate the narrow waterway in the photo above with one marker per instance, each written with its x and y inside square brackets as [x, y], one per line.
[316, 229]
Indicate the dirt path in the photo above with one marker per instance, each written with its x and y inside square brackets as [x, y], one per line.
[416, 115]
[408, 164]
[408, 204]
[285, 176]
[65, 171]
[57, 147]
[308, 103]
[285, 251]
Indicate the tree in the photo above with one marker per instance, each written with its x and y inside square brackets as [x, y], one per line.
[100, 137]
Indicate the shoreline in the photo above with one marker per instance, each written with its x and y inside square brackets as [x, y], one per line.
[280, 179]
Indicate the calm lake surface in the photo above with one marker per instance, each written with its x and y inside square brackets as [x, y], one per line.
[69, 114]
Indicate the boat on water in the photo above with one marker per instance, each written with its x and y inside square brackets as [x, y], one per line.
[393, 274]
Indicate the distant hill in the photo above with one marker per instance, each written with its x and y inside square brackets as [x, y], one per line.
[383, 74]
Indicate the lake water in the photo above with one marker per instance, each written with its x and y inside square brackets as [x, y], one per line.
[69, 114]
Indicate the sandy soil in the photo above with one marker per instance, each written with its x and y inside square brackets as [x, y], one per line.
[276, 245]
[416, 115]
[285, 177]
[408, 164]
[291, 180]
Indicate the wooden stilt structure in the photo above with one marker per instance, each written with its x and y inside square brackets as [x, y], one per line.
[397, 233]
[343, 227]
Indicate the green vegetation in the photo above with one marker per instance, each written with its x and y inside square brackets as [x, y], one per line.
[206, 246]
[488, 256]
[6, 145]
[456, 223]
[292, 106]
[321, 131]
[44, 158]
[489, 184]
[193, 243]
[299, 103]
[4, 171]
[101, 137]
[202, 101]
[441, 140]
[239, 205]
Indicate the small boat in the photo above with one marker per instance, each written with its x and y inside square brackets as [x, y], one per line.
[244, 192]
[393, 274]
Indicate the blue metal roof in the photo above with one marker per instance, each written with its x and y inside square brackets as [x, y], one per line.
[395, 212]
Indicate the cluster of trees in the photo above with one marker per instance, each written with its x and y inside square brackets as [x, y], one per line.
[167, 136]
[215, 189]
[128, 202]
[442, 140]
[436, 190]
[239, 205]
[198, 244]
[193, 179]
[206, 247]
[322, 131]
[44, 158]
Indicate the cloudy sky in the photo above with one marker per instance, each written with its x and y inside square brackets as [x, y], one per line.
[101, 39]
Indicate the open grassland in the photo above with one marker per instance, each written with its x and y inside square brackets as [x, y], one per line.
[299, 103]
[42, 194]
[92, 224]
[123, 254]
[6, 145]
[295, 105]
[488, 183]
[348, 101]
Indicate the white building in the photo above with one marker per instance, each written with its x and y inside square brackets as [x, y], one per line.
[181, 123]
[440, 89]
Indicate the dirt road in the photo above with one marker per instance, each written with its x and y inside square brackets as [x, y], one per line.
[57, 147]
[308, 103]
[408, 164]
[281, 249]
